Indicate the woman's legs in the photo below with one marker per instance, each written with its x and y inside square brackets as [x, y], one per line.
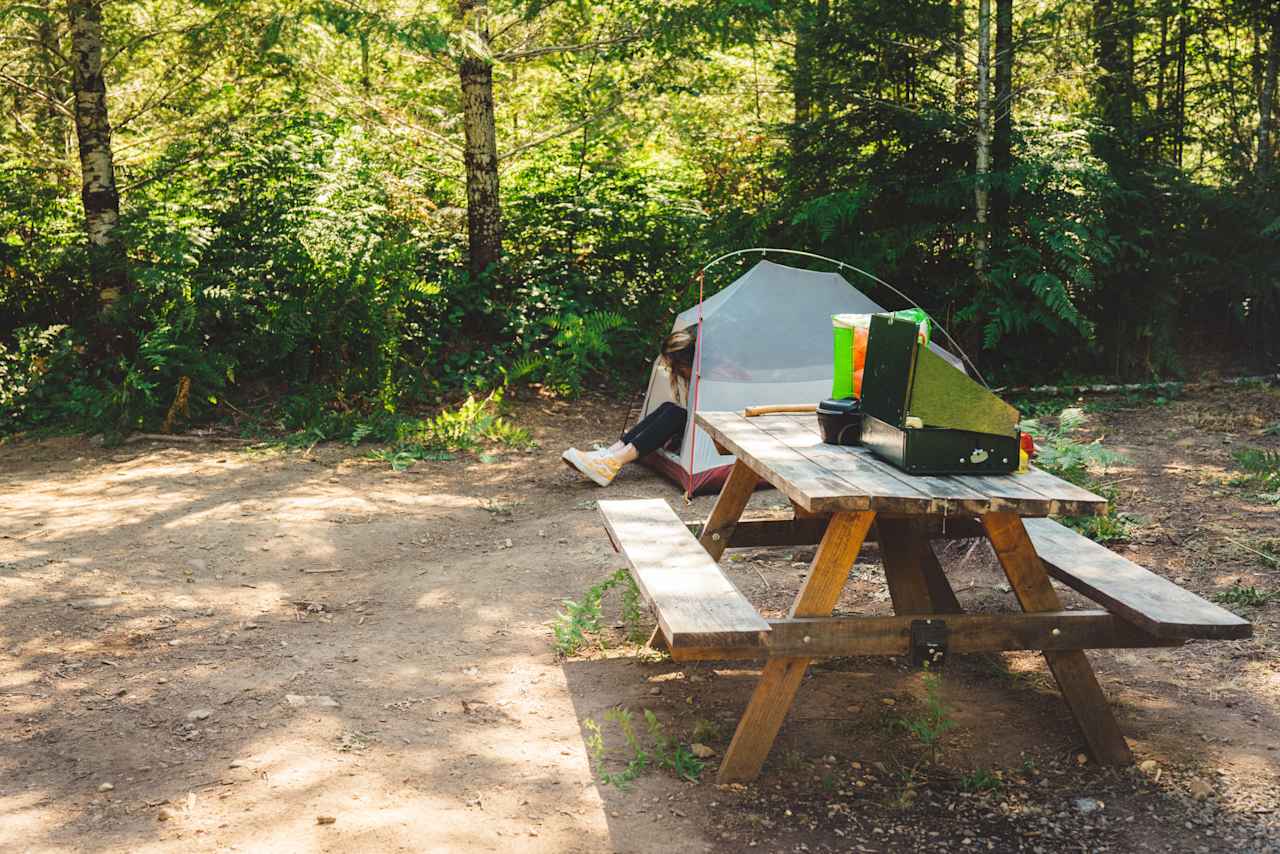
[654, 430]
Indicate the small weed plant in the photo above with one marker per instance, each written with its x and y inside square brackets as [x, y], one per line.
[933, 721]
[664, 751]
[981, 780]
[1248, 597]
[579, 622]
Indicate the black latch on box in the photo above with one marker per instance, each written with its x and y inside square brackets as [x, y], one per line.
[929, 643]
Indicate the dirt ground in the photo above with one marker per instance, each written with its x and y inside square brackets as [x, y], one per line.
[208, 647]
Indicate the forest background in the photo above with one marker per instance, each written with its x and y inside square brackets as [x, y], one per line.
[313, 214]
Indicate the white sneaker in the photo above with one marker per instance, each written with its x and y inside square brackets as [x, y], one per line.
[601, 470]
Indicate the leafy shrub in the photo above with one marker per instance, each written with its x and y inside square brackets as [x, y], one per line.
[1058, 452]
[473, 423]
[577, 347]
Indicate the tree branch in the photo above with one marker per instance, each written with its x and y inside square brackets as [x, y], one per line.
[547, 137]
[45, 96]
[517, 55]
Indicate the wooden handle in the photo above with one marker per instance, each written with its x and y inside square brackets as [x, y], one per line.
[753, 411]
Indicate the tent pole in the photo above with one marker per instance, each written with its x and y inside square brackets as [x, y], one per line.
[763, 250]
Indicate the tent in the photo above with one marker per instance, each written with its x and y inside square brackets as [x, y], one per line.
[766, 339]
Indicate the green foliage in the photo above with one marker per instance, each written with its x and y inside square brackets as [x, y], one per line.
[981, 780]
[578, 346]
[665, 752]
[933, 721]
[475, 422]
[294, 206]
[581, 618]
[1260, 469]
[1058, 452]
[1241, 596]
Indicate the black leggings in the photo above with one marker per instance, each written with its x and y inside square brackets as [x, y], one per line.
[657, 429]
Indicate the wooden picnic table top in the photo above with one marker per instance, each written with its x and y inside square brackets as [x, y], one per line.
[788, 451]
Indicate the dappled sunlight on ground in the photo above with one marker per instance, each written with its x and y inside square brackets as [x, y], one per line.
[238, 645]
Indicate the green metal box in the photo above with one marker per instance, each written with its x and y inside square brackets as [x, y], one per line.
[932, 450]
[926, 417]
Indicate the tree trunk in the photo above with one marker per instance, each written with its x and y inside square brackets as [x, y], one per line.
[809, 29]
[1267, 98]
[802, 78]
[97, 165]
[1162, 63]
[1002, 143]
[981, 191]
[1180, 88]
[958, 57]
[480, 155]
[1112, 85]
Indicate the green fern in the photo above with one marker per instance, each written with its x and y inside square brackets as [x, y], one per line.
[578, 346]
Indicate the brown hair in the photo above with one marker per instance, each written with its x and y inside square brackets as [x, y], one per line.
[677, 356]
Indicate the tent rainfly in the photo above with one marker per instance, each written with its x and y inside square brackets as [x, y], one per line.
[766, 339]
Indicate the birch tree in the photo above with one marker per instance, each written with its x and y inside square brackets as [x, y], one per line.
[982, 187]
[98, 191]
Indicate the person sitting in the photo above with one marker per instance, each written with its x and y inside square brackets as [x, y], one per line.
[661, 427]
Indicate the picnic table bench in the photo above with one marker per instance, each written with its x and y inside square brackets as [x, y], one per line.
[844, 496]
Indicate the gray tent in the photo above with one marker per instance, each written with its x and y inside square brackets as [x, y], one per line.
[766, 339]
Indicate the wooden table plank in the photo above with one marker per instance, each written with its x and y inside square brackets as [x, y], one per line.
[781, 677]
[885, 489]
[787, 450]
[950, 494]
[1076, 680]
[967, 633]
[793, 475]
[1068, 499]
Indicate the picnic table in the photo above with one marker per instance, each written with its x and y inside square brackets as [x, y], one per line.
[843, 496]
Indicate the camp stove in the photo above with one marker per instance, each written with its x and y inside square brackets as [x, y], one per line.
[924, 416]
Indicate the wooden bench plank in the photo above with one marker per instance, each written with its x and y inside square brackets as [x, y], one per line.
[1149, 601]
[696, 605]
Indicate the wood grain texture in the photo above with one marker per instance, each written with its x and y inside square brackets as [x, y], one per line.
[886, 489]
[799, 479]
[695, 604]
[1154, 603]
[807, 530]
[968, 633]
[1071, 669]
[728, 508]
[781, 677]
[917, 584]
[787, 451]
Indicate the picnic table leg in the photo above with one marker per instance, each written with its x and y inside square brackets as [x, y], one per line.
[781, 677]
[917, 584]
[1071, 668]
[728, 509]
